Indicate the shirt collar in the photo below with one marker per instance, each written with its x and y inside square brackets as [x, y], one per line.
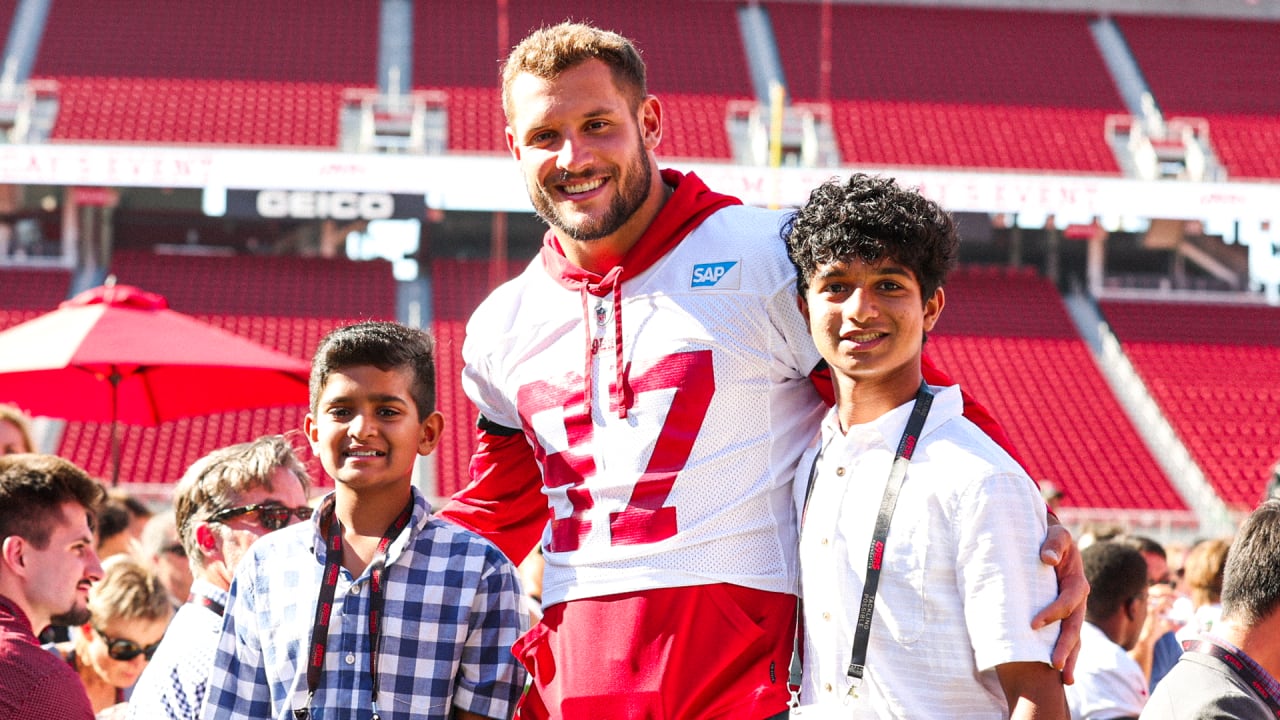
[419, 518]
[1271, 683]
[206, 589]
[19, 615]
[888, 428]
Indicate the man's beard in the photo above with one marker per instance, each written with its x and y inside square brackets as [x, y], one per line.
[77, 615]
[633, 190]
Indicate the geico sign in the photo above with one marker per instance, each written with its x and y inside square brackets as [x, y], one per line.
[322, 205]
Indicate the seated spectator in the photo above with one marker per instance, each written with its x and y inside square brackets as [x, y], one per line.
[209, 500]
[15, 431]
[46, 568]
[128, 612]
[1233, 670]
[161, 550]
[1110, 684]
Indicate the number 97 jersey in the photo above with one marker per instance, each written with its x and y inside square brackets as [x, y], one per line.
[667, 409]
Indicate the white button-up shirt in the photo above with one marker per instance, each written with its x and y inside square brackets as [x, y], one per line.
[961, 576]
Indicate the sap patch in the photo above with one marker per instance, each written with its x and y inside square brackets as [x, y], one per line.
[724, 275]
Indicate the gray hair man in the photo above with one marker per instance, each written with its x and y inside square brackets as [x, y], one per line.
[224, 502]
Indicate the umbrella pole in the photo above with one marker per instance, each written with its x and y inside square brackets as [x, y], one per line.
[115, 433]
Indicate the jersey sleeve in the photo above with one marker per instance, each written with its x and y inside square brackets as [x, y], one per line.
[504, 501]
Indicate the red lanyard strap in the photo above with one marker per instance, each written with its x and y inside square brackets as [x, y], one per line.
[329, 585]
[205, 601]
[1240, 667]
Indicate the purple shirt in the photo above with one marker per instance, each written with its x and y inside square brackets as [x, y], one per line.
[35, 684]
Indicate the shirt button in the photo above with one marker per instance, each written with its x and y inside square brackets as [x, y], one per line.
[351, 659]
[826, 616]
[826, 688]
[825, 541]
[840, 472]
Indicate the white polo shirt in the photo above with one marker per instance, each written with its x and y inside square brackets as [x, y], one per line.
[961, 576]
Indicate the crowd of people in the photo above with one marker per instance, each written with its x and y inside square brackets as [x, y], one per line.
[754, 497]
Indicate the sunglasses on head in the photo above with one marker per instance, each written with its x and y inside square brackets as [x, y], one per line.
[121, 649]
[272, 516]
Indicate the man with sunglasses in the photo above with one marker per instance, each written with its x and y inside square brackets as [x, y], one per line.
[224, 502]
[47, 564]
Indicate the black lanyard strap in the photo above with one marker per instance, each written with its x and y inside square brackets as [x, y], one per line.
[875, 555]
[328, 586]
[1241, 668]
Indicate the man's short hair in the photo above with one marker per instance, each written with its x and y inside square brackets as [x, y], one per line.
[128, 591]
[1116, 572]
[384, 345]
[117, 514]
[215, 481]
[1144, 544]
[870, 219]
[549, 51]
[1251, 583]
[33, 489]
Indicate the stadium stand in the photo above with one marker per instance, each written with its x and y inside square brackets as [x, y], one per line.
[955, 87]
[1007, 337]
[1221, 70]
[457, 287]
[696, 66]
[286, 303]
[1214, 369]
[209, 73]
[35, 289]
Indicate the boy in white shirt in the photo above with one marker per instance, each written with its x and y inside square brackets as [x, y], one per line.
[948, 631]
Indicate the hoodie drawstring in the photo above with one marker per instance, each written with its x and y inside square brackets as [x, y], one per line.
[621, 389]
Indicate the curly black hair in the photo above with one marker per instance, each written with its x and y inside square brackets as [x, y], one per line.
[869, 219]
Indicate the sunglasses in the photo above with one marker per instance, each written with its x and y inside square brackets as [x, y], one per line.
[121, 649]
[272, 516]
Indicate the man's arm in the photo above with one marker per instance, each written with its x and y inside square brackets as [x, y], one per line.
[1034, 691]
[504, 501]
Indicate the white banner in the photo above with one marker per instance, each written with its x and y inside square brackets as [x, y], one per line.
[461, 182]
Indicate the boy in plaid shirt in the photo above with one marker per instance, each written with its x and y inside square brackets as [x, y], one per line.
[375, 608]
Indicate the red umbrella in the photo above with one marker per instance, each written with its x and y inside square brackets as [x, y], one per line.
[119, 354]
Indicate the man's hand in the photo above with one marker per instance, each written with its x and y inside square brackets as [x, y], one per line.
[1059, 550]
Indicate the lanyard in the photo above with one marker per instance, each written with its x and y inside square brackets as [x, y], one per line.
[329, 585]
[875, 555]
[1241, 668]
[206, 601]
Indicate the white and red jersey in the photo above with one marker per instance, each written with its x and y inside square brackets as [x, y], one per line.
[666, 405]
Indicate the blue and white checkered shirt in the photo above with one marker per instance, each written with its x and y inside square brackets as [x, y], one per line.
[452, 614]
[174, 684]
